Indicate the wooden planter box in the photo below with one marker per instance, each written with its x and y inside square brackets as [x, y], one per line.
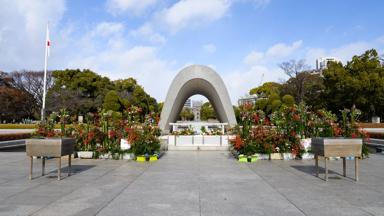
[50, 147]
[337, 147]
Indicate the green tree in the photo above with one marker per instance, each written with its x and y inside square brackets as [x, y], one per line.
[359, 83]
[269, 97]
[207, 112]
[312, 88]
[266, 89]
[112, 101]
[131, 93]
[186, 114]
[79, 91]
[288, 100]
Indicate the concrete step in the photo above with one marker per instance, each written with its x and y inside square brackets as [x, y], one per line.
[376, 141]
[12, 144]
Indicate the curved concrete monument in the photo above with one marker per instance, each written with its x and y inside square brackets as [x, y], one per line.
[192, 80]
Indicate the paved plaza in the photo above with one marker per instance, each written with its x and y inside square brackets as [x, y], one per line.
[190, 183]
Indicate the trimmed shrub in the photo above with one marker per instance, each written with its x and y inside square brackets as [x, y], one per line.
[14, 136]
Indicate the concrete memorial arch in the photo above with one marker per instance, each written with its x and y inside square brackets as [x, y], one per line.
[192, 80]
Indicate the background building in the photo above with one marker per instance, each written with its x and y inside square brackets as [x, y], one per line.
[321, 63]
[188, 103]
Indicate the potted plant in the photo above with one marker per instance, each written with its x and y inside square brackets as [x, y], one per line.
[154, 157]
[86, 141]
[147, 142]
[243, 158]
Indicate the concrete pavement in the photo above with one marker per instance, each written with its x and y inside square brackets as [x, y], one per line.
[190, 183]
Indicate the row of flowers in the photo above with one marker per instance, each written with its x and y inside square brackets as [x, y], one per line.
[107, 132]
[285, 130]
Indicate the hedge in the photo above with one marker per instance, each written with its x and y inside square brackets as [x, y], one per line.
[17, 126]
[376, 135]
[371, 125]
[14, 136]
[24, 126]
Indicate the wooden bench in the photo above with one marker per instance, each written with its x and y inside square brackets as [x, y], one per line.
[50, 147]
[337, 147]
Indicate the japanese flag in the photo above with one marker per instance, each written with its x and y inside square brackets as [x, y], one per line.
[48, 42]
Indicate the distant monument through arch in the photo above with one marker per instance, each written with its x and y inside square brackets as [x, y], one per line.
[192, 80]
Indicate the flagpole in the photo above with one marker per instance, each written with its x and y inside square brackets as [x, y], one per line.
[45, 75]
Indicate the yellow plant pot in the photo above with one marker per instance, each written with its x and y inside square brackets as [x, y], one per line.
[140, 159]
[153, 158]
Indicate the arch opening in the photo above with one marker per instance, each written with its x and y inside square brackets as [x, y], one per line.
[195, 80]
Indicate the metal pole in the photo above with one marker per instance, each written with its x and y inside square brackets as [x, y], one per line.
[45, 76]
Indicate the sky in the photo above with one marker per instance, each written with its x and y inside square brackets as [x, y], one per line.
[152, 40]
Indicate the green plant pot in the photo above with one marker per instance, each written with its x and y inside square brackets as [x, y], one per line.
[141, 158]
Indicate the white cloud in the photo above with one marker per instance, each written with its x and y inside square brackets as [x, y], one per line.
[283, 50]
[136, 7]
[259, 67]
[209, 48]
[256, 3]
[22, 32]
[193, 12]
[146, 32]
[105, 50]
[239, 82]
[106, 29]
[275, 53]
[253, 58]
[344, 52]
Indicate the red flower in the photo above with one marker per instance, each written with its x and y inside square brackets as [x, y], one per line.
[266, 121]
[256, 118]
[91, 135]
[293, 133]
[50, 134]
[296, 117]
[353, 135]
[238, 143]
[337, 131]
[111, 134]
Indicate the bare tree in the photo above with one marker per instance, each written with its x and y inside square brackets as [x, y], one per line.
[296, 71]
[31, 82]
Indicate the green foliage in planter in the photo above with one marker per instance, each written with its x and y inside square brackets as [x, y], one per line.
[282, 134]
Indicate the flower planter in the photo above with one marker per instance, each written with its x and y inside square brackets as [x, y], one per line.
[124, 144]
[308, 156]
[288, 156]
[306, 144]
[141, 158]
[105, 156]
[128, 156]
[263, 156]
[276, 156]
[116, 156]
[328, 147]
[85, 154]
